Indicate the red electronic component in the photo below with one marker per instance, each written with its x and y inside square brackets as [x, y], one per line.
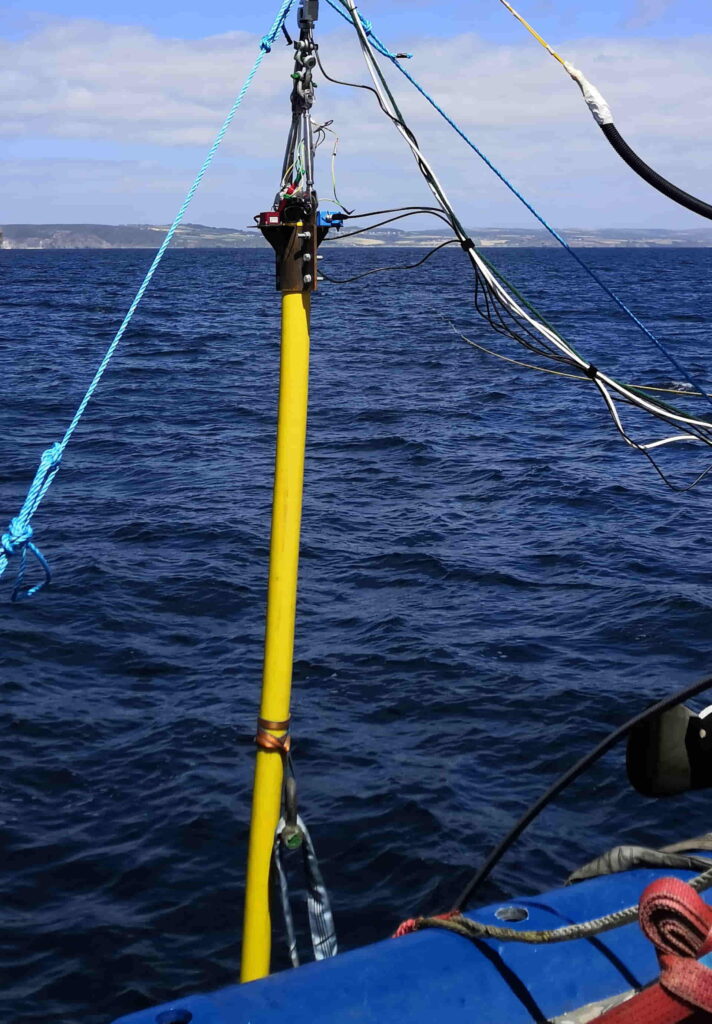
[268, 219]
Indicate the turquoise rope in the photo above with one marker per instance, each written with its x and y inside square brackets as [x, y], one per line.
[368, 29]
[17, 541]
[512, 188]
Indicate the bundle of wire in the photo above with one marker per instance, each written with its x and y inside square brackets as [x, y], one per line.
[509, 314]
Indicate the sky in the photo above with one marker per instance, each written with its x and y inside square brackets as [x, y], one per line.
[106, 111]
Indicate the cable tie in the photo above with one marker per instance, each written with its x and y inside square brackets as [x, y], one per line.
[265, 723]
[266, 741]
[591, 371]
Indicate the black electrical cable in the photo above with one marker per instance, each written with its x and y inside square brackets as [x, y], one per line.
[396, 209]
[700, 433]
[351, 85]
[652, 177]
[359, 85]
[570, 776]
[399, 122]
[381, 270]
[494, 312]
[492, 303]
[497, 324]
[491, 299]
[390, 220]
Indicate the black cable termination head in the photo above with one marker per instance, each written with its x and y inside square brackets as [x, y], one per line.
[307, 13]
[591, 371]
[671, 753]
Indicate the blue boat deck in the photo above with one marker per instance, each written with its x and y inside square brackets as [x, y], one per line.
[433, 976]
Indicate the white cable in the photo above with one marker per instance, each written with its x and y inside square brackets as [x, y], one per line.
[602, 380]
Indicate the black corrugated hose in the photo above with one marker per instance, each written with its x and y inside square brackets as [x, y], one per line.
[652, 177]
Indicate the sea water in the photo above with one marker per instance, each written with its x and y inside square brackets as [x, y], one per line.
[491, 581]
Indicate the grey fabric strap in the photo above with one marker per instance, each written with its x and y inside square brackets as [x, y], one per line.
[321, 920]
[626, 858]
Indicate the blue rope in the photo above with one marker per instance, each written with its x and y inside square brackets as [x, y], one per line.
[368, 29]
[17, 541]
[512, 188]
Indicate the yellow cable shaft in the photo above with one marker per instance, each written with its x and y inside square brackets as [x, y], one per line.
[279, 635]
[532, 31]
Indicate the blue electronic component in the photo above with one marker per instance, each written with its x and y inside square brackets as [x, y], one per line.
[329, 219]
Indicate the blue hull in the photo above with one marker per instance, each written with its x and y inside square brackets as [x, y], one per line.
[434, 976]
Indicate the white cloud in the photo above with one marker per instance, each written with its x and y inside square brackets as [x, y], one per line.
[124, 87]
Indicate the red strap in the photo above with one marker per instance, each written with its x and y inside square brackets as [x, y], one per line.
[679, 923]
[653, 1006]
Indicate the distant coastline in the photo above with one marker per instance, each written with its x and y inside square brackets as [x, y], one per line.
[200, 236]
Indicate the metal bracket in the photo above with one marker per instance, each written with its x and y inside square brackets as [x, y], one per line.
[295, 245]
[291, 835]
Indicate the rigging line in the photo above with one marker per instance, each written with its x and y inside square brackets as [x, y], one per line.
[616, 419]
[695, 428]
[389, 106]
[395, 116]
[552, 231]
[320, 134]
[667, 481]
[381, 270]
[570, 776]
[17, 540]
[515, 291]
[481, 268]
[657, 409]
[692, 433]
[265, 47]
[397, 209]
[350, 85]
[559, 373]
[490, 283]
[390, 220]
[603, 117]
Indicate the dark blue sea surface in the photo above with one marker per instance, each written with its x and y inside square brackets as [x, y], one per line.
[491, 581]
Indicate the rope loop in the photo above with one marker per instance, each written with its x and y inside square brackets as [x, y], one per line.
[18, 594]
[266, 44]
